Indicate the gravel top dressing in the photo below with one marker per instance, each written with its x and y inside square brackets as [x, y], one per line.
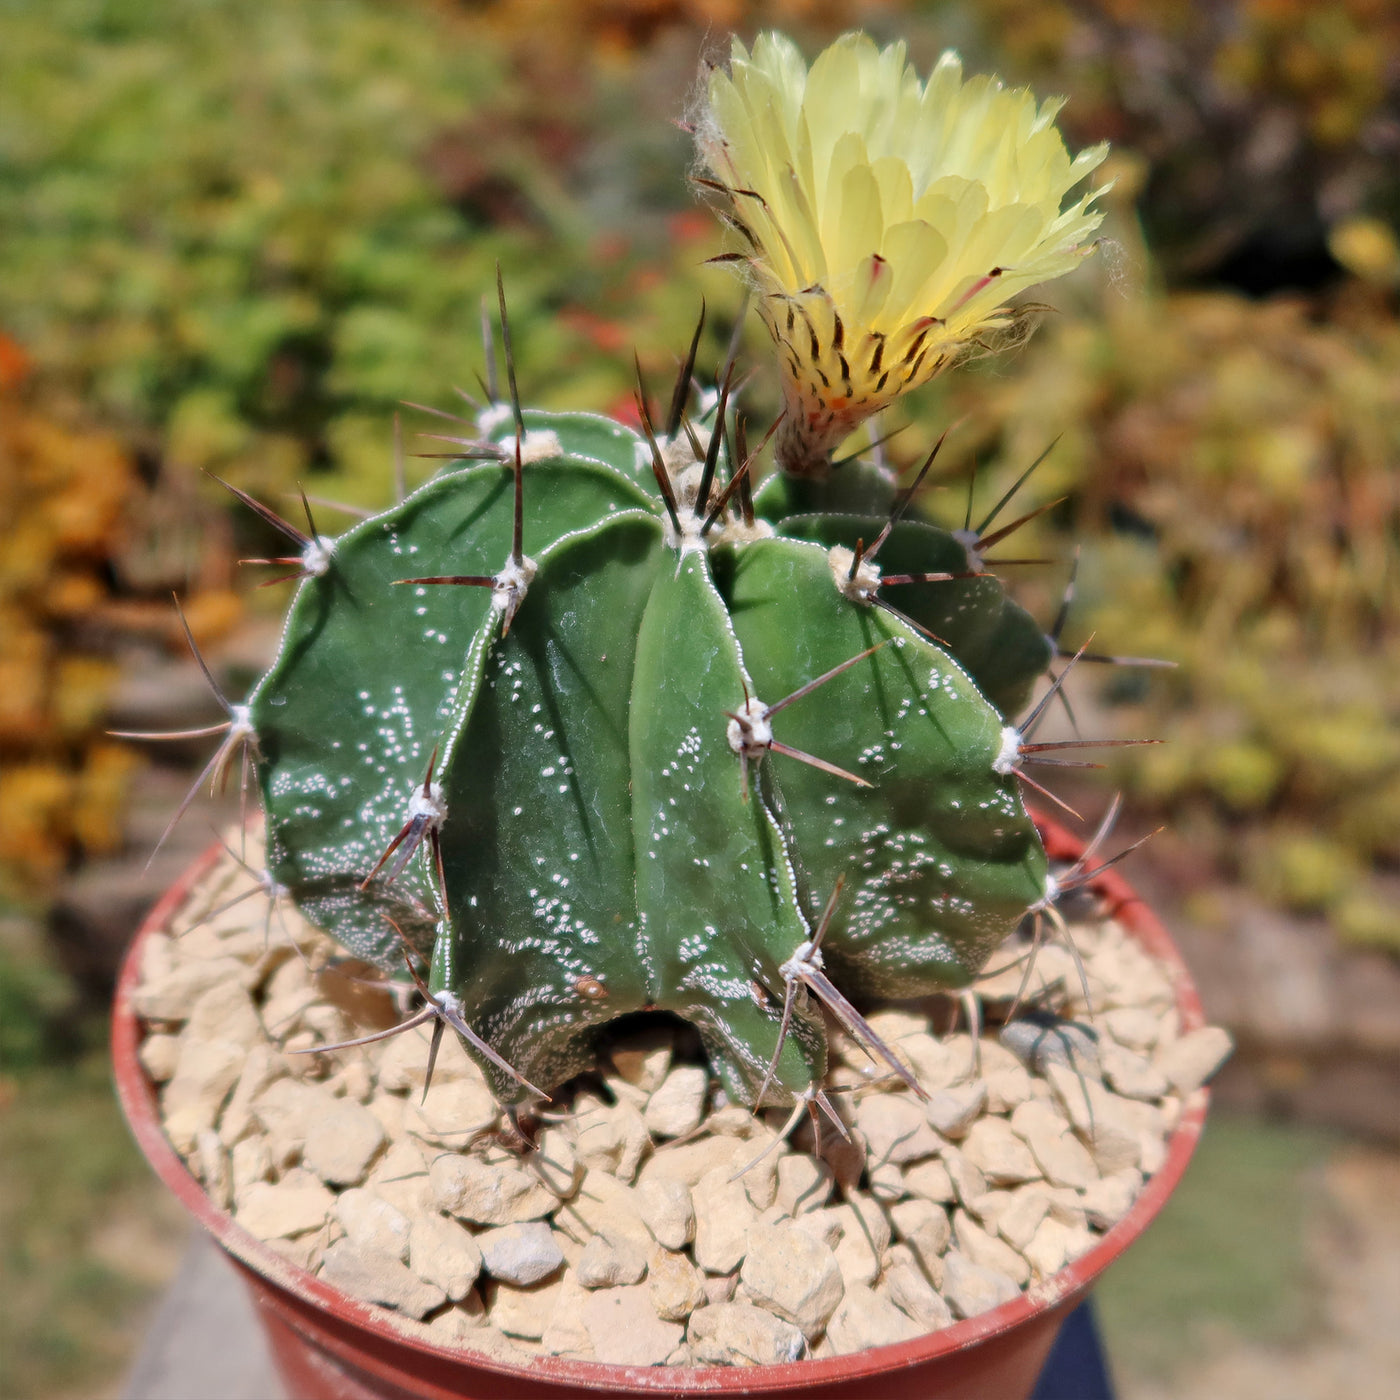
[653, 1223]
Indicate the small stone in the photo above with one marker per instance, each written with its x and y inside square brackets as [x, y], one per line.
[159, 1054]
[601, 1133]
[636, 1141]
[644, 1057]
[263, 1063]
[678, 1104]
[342, 1140]
[720, 1288]
[205, 1074]
[305, 1251]
[400, 1176]
[675, 1285]
[565, 1334]
[487, 1193]
[280, 1211]
[556, 1164]
[968, 1181]
[1020, 1220]
[759, 1175]
[1134, 1027]
[687, 1162]
[929, 1181]
[895, 1129]
[1152, 1153]
[372, 1223]
[925, 1227]
[1006, 1088]
[740, 1334]
[211, 1165]
[607, 1265]
[886, 1183]
[804, 1183]
[723, 1217]
[454, 1114]
[1057, 1244]
[1063, 1159]
[520, 1254]
[625, 1330]
[1109, 1199]
[792, 1275]
[1040, 1041]
[865, 1237]
[403, 1062]
[935, 1064]
[249, 1162]
[1133, 1076]
[1004, 1159]
[286, 1108]
[462, 1323]
[389, 1109]
[353, 1080]
[444, 1253]
[523, 1311]
[825, 1226]
[608, 1207]
[1109, 1124]
[953, 1111]
[976, 1244]
[864, 1319]
[988, 1206]
[379, 1278]
[905, 1285]
[668, 1211]
[1191, 1060]
[171, 998]
[971, 1289]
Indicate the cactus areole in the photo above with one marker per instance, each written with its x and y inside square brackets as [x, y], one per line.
[592, 726]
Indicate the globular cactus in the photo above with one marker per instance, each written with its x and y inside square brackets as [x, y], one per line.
[595, 724]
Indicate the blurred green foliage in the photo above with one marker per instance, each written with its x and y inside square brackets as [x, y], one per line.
[1229, 469]
[238, 234]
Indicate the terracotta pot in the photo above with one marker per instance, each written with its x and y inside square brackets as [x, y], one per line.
[330, 1346]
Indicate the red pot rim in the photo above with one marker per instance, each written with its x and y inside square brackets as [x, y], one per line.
[138, 1099]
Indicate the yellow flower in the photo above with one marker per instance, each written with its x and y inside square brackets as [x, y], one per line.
[888, 221]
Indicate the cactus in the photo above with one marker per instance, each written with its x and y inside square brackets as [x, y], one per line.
[592, 724]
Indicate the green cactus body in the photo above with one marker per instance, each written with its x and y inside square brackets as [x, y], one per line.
[616, 833]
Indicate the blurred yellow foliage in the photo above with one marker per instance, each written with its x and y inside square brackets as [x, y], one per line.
[63, 494]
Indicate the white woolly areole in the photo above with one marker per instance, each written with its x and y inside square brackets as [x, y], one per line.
[511, 583]
[316, 557]
[807, 955]
[749, 733]
[864, 586]
[971, 542]
[538, 445]
[740, 532]
[449, 1002]
[1009, 752]
[493, 416]
[240, 721]
[428, 804]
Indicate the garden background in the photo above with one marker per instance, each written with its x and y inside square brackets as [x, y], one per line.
[236, 234]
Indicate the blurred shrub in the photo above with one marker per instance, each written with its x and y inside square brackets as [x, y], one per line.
[1263, 124]
[1231, 468]
[62, 498]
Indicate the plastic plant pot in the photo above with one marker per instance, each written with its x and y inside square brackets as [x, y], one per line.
[328, 1345]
